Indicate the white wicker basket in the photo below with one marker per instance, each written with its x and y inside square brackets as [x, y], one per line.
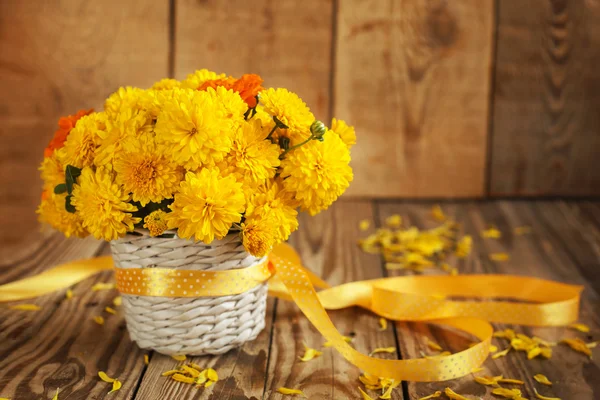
[190, 325]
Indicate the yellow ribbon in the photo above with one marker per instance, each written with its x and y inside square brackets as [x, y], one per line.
[410, 298]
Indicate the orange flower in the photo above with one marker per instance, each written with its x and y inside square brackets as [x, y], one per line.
[65, 124]
[248, 86]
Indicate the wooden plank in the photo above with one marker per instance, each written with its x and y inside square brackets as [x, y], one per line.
[57, 58]
[542, 254]
[413, 76]
[327, 245]
[241, 372]
[287, 44]
[546, 98]
[60, 346]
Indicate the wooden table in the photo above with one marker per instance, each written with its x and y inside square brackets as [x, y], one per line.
[61, 346]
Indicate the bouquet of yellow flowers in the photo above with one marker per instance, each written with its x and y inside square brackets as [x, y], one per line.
[204, 156]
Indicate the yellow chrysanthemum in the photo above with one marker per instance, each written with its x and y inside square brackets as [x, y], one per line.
[273, 201]
[127, 98]
[196, 79]
[252, 157]
[166, 84]
[156, 222]
[258, 234]
[318, 172]
[144, 170]
[194, 128]
[206, 205]
[345, 131]
[264, 117]
[52, 170]
[84, 138]
[123, 127]
[230, 103]
[52, 212]
[289, 109]
[102, 205]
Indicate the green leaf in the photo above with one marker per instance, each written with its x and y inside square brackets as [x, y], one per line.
[71, 174]
[60, 188]
[279, 124]
[68, 206]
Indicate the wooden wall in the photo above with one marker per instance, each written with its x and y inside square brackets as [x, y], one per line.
[468, 98]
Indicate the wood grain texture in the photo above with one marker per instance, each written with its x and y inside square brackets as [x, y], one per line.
[241, 372]
[413, 76]
[546, 98]
[286, 42]
[60, 346]
[327, 245]
[57, 58]
[544, 253]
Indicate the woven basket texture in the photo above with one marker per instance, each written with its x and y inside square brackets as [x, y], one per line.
[187, 325]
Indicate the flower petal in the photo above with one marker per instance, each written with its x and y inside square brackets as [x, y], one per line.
[364, 225]
[431, 396]
[116, 386]
[25, 307]
[383, 350]
[383, 324]
[453, 395]
[433, 345]
[182, 378]
[500, 353]
[539, 396]
[578, 345]
[580, 327]
[179, 357]
[105, 377]
[542, 379]
[292, 392]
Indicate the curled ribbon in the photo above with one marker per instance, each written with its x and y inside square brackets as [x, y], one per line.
[410, 298]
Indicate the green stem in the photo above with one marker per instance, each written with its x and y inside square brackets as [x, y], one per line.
[271, 133]
[296, 146]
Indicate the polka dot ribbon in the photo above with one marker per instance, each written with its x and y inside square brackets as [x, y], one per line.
[464, 302]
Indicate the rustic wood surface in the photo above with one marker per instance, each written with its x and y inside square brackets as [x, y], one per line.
[450, 99]
[413, 76]
[57, 58]
[288, 44]
[60, 346]
[546, 98]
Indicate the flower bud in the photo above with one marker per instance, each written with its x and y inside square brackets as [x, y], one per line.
[318, 129]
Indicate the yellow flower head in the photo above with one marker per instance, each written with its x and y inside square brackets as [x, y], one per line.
[206, 205]
[258, 234]
[273, 201]
[194, 128]
[290, 110]
[345, 131]
[318, 172]
[145, 171]
[196, 79]
[156, 222]
[52, 170]
[84, 138]
[127, 98]
[166, 84]
[252, 157]
[103, 205]
[52, 212]
[230, 104]
[119, 129]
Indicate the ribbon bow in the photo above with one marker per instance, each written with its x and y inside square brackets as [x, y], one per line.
[412, 298]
